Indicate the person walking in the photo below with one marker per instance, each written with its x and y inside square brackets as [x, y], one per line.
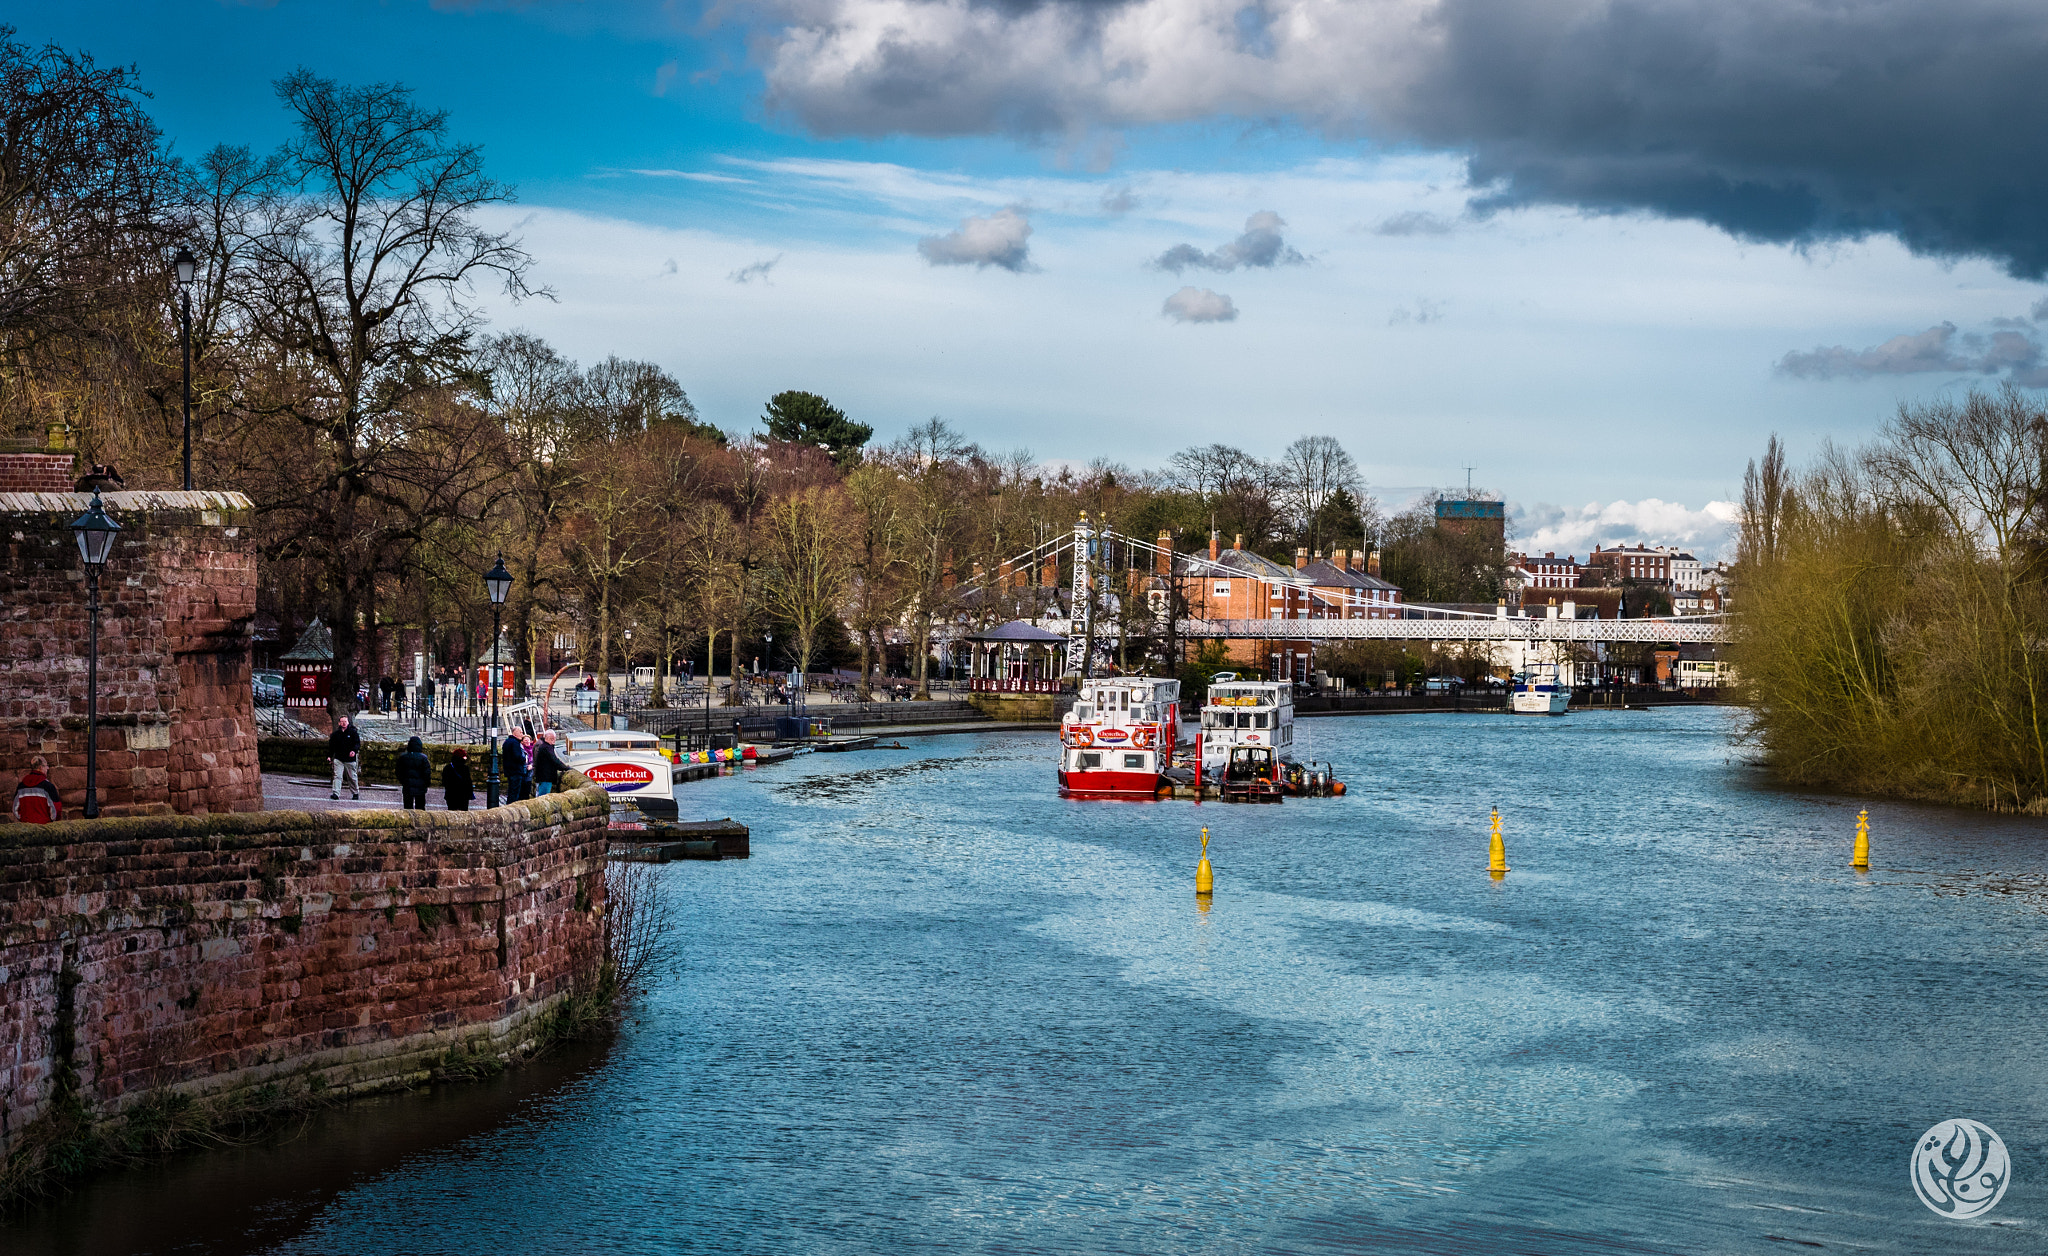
[35, 799]
[415, 774]
[455, 783]
[547, 766]
[345, 752]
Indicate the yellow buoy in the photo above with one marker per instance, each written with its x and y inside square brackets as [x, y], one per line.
[1861, 859]
[1497, 863]
[1205, 879]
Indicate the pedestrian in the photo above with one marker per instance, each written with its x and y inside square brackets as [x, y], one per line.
[345, 752]
[518, 767]
[547, 766]
[35, 799]
[455, 783]
[415, 774]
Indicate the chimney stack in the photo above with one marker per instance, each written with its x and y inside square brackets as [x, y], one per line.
[1049, 572]
[1162, 562]
[1214, 544]
[1372, 563]
[1338, 559]
[1238, 544]
[1300, 557]
[1008, 574]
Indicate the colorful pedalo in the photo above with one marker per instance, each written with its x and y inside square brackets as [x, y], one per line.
[728, 755]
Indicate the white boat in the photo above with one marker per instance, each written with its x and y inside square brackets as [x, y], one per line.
[628, 765]
[1538, 693]
[1120, 737]
[1252, 714]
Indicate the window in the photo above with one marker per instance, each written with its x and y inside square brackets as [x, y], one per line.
[1259, 720]
[1221, 588]
[1134, 761]
[1244, 719]
[1088, 759]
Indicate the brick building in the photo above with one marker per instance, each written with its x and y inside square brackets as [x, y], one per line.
[1488, 518]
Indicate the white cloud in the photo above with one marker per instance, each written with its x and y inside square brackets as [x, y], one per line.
[1001, 239]
[1563, 325]
[1544, 528]
[1199, 305]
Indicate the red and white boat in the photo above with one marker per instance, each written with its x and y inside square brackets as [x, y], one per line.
[1119, 739]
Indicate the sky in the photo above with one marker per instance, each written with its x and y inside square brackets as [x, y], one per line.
[1587, 254]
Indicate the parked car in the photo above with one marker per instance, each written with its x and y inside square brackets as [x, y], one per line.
[1443, 684]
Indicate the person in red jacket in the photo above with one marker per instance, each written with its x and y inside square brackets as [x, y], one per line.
[35, 799]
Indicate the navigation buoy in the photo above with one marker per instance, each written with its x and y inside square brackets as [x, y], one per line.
[1205, 879]
[1497, 862]
[1861, 859]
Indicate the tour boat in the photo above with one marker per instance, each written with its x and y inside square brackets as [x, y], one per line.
[1120, 737]
[628, 765]
[1251, 714]
[1538, 693]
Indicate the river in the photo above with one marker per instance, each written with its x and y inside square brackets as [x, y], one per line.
[941, 1009]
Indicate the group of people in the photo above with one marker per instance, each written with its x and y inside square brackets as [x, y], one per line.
[531, 768]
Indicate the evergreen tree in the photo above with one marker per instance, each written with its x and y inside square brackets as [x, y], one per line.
[808, 419]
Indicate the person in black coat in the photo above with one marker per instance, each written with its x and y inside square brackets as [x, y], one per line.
[415, 774]
[455, 781]
[547, 765]
[517, 766]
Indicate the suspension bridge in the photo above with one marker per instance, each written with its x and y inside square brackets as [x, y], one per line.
[1313, 614]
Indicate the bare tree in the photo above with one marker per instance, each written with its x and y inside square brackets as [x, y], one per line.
[642, 930]
[808, 556]
[1766, 494]
[875, 590]
[362, 280]
[1315, 470]
[926, 459]
[83, 187]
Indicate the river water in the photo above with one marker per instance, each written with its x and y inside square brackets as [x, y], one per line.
[942, 1010]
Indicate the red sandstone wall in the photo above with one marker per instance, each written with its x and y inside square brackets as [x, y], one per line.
[214, 954]
[177, 719]
[36, 473]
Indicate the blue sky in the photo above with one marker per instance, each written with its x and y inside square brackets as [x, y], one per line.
[923, 207]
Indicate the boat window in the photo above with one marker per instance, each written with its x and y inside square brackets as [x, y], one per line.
[1259, 720]
[1088, 759]
[1244, 719]
[1134, 761]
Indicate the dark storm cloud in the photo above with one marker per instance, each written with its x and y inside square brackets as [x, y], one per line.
[1789, 121]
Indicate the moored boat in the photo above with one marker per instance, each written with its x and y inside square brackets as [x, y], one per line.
[1119, 738]
[1538, 693]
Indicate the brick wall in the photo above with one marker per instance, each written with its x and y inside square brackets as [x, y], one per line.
[36, 473]
[177, 719]
[215, 954]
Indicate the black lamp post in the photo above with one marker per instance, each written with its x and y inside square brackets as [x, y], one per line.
[186, 265]
[95, 533]
[499, 582]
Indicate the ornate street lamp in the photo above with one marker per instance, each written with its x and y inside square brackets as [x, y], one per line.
[186, 265]
[95, 532]
[499, 582]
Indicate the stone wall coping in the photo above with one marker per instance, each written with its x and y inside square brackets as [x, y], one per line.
[125, 499]
[264, 828]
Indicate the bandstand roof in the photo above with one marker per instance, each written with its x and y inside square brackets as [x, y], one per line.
[316, 645]
[1018, 632]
